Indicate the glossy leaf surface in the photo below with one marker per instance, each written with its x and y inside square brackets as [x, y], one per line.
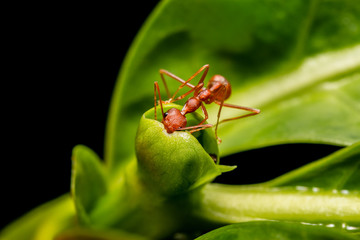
[298, 61]
[264, 230]
[339, 172]
[173, 163]
[324, 192]
[89, 183]
[44, 222]
[90, 234]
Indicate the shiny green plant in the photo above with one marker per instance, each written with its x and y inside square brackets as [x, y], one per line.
[298, 61]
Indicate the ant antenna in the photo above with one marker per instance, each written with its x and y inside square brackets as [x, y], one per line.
[156, 88]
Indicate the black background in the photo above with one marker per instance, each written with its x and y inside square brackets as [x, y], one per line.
[62, 64]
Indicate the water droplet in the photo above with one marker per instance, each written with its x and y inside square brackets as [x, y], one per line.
[302, 188]
[344, 191]
[315, 189]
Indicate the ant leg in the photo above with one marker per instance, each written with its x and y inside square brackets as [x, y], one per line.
[196, 88]
[253, 111]
[196, 128]
[222, 90]
[183, 83]
[217, 122]
[200, 126]
[203, 108]
[173, 76]
[156, 88]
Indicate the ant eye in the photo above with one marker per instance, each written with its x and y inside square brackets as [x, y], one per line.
[165, 114]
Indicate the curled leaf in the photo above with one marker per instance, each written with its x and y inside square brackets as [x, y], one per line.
[88, 183]
[275, 230]
[177, 162]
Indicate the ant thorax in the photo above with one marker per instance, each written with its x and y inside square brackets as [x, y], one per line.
[191, 105]
[204, 95]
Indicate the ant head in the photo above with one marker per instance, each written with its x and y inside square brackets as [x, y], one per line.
[220, 87]
[173, 120]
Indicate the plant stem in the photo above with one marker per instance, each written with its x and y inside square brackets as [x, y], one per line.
[226, 204]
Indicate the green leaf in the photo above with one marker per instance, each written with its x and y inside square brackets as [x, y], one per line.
[298, 61]
[275, 230]
[88, 183]
[324, 192]
[339, 172]
[91, 234]
[44, 222]
[177, 162]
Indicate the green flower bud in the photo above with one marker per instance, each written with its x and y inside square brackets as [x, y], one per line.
[174, 163]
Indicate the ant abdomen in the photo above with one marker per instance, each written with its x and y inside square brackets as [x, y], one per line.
[220, 87]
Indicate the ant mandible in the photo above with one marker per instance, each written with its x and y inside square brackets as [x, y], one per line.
[217, 91]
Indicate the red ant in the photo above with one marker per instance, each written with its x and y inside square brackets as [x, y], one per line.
[217, 91]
